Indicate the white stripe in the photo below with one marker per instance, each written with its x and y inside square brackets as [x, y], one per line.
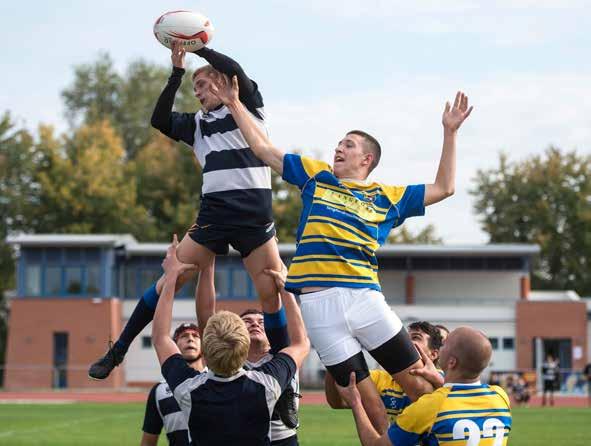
[236, 179]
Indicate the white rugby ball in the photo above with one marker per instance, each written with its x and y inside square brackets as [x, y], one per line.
[193, 29]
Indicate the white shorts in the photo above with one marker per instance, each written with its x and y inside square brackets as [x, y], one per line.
[342, 321]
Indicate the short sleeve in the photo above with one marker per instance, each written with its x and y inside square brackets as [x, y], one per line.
[415, 420]
[412, 202]
[282, 367]
[152, 419]
[176, 370]
[299, 169]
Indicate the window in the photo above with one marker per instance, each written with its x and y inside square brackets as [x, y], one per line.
[495, 343]
[222, 283]
[33, 280]
[146, 342]
[148, 277]
[240, 283]
[93, 279]
[53, 281]
[508, 343]
[73, 280]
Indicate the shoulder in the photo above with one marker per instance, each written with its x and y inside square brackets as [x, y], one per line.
[501, 392]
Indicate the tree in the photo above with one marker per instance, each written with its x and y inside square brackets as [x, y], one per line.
[287, 207]
[426, 236]
[544, 199]
[86, 185]
[98, 92]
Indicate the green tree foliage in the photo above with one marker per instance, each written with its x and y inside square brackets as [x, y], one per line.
[426, 236]
[287, 206]
[99, 92]
[544, 199]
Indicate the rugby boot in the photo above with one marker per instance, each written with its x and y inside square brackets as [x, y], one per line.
[287, 408]
[105, 365]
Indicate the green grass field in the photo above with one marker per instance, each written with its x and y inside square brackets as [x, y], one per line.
[120, 424]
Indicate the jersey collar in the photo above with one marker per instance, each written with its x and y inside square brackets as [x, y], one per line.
[475, 383]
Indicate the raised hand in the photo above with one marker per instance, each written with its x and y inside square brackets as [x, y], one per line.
[226, 92]
[178, 54]
[428, 371]
[171, 264]
[350, 393]
[278, 276]
[453, 117]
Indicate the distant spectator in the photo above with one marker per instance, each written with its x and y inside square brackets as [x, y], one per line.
[521, 392]
[550, 370]
[494, 379]
[587, 375]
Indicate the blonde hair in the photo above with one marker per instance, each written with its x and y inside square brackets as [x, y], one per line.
[207, 70]
[225, 343]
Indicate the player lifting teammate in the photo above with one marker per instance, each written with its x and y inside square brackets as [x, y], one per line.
[235, 207]
[345, 219]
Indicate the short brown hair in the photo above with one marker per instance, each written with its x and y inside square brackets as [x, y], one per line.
[225, 343]
[372, 145]
[206, 69]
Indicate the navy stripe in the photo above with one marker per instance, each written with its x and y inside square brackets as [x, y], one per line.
[451, 412]
[468, 395]
[220, 125]
[168, 406]
[178, 438]
[336, 276]
[365, 237]
[231, 159]
[345, 261]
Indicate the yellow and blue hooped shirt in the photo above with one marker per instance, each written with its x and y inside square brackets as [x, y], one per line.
[342, 225]
[455, 415]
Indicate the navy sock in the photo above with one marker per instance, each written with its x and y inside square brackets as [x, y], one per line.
[276, 330]
[142, 315]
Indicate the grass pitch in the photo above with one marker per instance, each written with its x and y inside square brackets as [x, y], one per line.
[120, 425]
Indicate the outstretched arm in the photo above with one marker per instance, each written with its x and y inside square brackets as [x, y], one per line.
[445, 181]
[178, 126]
[173, 268]
[205, 299]
[227, 93]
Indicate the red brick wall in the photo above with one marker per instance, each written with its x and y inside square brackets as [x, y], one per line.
[565, 320]
[89, 324]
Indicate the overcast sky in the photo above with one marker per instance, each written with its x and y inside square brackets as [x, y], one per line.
[326, 66]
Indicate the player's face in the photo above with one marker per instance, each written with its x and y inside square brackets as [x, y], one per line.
[255, 326]
[422, 339]
[189, 343]
[201, 85]
[349, 158]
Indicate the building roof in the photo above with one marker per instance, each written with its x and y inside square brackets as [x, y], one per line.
[43, 240]
[134, 248]
[553, 295]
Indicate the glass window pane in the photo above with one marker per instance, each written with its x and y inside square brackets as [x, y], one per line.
[73, 254]
[93, 284]
[73, 280]
[33, 280]
[53, 280]
[130, 283]
[53, 255]
[495, 343]
[222, 283]
[508, 343]
[239, 283]
[148, 277]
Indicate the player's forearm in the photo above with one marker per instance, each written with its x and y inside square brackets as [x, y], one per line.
[367, 433]
[295, 322]
[163, 317]
[161, 117]
[228, 66]
[333, 398]
[445, 180]
[205, 302]
[256, 139]
[149, 440]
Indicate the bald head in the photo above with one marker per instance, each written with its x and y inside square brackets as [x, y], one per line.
[467, 351]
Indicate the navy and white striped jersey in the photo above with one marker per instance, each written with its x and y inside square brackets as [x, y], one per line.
[162, 410]
[236, 184]
[229, 410]
[279, 431]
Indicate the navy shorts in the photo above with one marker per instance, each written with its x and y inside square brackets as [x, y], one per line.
[244, 239]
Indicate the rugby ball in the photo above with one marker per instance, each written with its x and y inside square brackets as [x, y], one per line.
[193, 29]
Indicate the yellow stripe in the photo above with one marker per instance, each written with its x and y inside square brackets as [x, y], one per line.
[330, 279]
[333, 242]
[312, 166]
[343, 269]
[351, 228]
[369, 221]
[323, 189]
[394, 193]
[356, 262]
[469, 415]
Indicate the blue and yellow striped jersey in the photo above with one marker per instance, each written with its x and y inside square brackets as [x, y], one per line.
[342, 225]
[391, 393]
[455, 415]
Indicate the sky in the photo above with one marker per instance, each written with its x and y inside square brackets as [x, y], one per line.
[326, 66]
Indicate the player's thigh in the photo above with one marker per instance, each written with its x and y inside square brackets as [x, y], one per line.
[189, 251]
[265, 256]
[324, 317]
